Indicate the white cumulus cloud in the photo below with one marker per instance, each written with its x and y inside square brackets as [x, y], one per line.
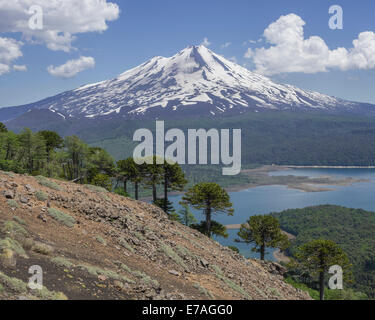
[205, 42]
[4, 68]
[249, 53]
[226, 45]
[10, 50]
[62, 19]
[290, 51]
[19, 67]
[72, 67]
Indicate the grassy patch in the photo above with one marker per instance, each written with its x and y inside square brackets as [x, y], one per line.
[96, 271]
[41, 196]
[276, 292]
[9, 174]
[101, 240]
[42, 248]
[140, 275]
[14, 230]
[173, 255]
[139, 236]
[62, 262]
[12, 203]
[234, 286]
[45, 294]
[186, 252]
[126, 268]
[123, 243]
[43, 181]
[145, 278]
[21, 287]
[62, 217]
[19, 220]
[96, 188]
[13, 284]
[13, 245]
[348, 294]
[203, 290]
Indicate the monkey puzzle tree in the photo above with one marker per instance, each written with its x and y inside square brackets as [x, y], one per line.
[123, 172]
[99, 161]
[187, 217]
[153, 175]
[32, 153]
[129, 170]
[173, 179]
[3, 128]
[216, 229]
[264, 232]
[53, 141]
[74, 158]
[102, 180]
[211, 198]
[318, 256]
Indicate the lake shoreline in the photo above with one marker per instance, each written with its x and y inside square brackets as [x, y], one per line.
[265, 200]
[263, 179]
[329, 167]
[306, 184]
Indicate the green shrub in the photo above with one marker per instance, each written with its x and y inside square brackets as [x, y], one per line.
[14, 284]
[103, 181]
[140, 275]
[276, 292]
[43, 181]
[126, 245]
[62, 217]
[12, 245]
[348, 294]
[62, 262]
[139, 236]
[14, 230]
[19, 220]
[21, 287]
[234, 248]
[42, 248]
[121, 192]
[173, 255]
[13, 204]
[96, 188]
[101, 240]
[126, 268]
[203, 290]
[41, 196]
[45, 294]
[234, 286]
[96, 271]
[9, 174]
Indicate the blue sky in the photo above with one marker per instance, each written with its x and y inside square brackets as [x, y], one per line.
[161, 28]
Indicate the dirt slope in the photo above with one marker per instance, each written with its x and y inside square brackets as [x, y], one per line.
[92, 244]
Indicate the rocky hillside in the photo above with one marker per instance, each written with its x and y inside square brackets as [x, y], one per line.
[92, 244]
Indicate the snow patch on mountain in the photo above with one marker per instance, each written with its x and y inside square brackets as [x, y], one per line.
[195, 76]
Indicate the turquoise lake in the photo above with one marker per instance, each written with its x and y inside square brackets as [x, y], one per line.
[263, 200]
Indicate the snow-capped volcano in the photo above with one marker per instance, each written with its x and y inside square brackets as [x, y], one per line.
[195, 81]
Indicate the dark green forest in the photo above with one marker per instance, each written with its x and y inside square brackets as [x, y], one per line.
[282, 138]
[352, 229]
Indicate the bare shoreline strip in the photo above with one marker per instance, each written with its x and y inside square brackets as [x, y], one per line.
[328, 167]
